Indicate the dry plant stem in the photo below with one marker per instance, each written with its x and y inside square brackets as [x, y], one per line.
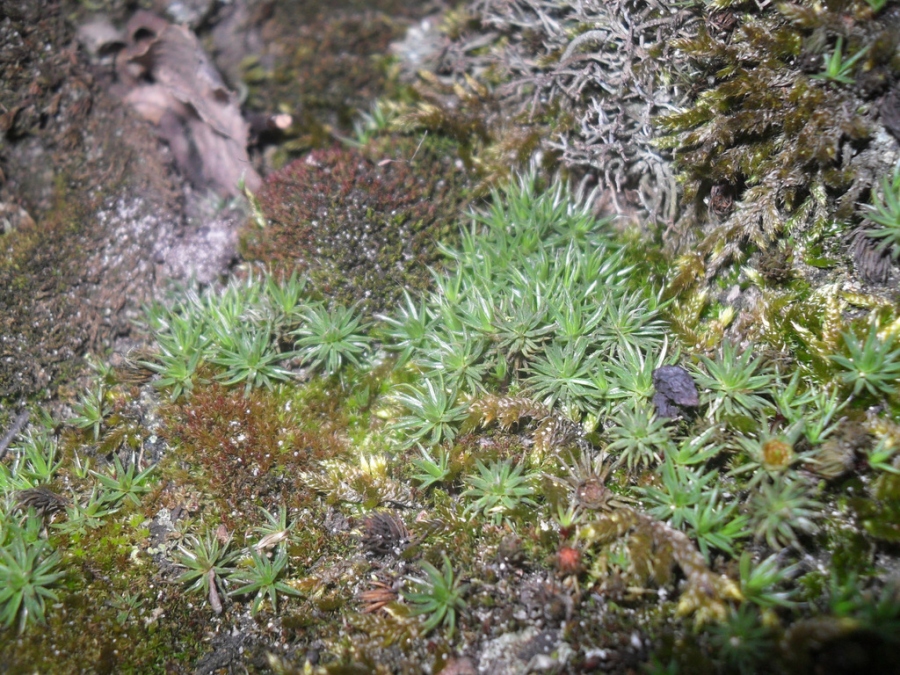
[17, 426]
[214, 600]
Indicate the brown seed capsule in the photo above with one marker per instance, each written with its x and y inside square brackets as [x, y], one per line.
[592, 494]
[45, 502]
[383, 533]
[379, 595]
[777, 454]
[721, 202]
[568, 560]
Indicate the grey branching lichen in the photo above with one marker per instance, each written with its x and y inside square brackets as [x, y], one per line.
[591, 75]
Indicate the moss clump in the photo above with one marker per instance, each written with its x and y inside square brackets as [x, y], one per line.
[363, 230]
[245, 452]
[878, 508]
[586, 533]
[114, 611]
[492, 146]
[94, 629]
[776, 140]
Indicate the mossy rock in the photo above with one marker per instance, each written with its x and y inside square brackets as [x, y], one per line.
[39, 321]
[66, 152]
[335, 66]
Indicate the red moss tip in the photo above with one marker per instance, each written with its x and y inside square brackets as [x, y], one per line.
[568, 561]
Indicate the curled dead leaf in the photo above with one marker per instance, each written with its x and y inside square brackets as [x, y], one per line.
[172, 83]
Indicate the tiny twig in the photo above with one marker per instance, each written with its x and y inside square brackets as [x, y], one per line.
[385, 162]
[17, 425]
[419, 146]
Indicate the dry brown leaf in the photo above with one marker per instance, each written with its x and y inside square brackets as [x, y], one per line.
[99, 36]
[174, 85]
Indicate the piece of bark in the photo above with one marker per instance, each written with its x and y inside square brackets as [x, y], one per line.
[100, 37]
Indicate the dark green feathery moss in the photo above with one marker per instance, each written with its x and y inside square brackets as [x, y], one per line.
[776, 141]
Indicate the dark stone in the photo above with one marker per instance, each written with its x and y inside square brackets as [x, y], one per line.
[674, 388]
[543, 643]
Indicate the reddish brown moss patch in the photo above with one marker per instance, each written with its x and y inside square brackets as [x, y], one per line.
[245, 452]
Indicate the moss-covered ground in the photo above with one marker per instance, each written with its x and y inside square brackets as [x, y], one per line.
[442, 416]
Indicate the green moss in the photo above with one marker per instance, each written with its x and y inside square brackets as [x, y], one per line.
[852, 552]
[322, 450]
[116, 612]
[120, 610]
[769, 133]
[89, 634]
[879, 511]
[492, 147]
